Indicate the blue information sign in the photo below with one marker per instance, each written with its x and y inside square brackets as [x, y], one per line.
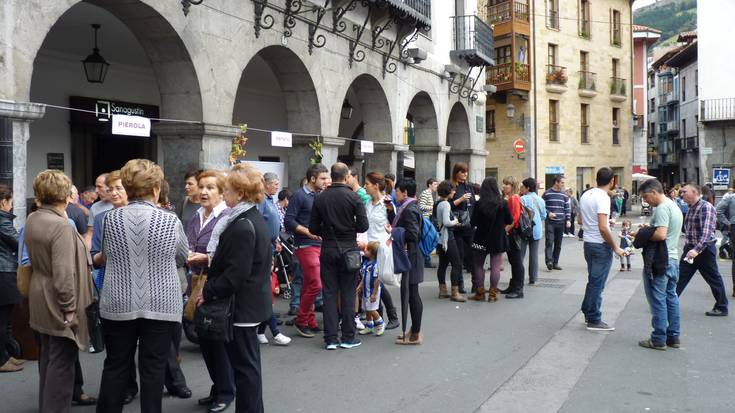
[721, 176]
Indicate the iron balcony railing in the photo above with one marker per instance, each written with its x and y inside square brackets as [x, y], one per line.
[587, 80]
[472, 40]
[717, 110]
[556, 75]
[617, 86]
[420, 7]
[508, 10]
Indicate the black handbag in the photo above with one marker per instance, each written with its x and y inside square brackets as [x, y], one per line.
[351, 257]
[213, 319]
[94, 327]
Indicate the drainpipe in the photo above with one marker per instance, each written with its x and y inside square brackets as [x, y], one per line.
[534, 172]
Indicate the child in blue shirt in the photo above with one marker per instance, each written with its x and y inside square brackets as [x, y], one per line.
[370, 288]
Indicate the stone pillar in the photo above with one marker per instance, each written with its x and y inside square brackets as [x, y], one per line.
[192, 146]
[475, 158]
[430, 163]
[299, 157]
[384, 159]
[21, 115]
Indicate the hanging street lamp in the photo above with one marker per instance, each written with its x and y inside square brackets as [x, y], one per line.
[346, 109]
[95, 66]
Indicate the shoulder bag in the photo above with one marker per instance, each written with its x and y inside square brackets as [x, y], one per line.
[351, 257]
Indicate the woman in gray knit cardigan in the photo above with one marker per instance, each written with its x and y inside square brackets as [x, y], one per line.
[140, 304]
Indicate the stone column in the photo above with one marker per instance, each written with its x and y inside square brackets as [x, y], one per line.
[298, 161]
[475, 158]
[384, 159]
[189, 146]
[330, 150]
[21, 115]
[430, 163]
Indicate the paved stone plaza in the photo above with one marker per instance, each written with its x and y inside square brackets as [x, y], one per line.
[530, 355]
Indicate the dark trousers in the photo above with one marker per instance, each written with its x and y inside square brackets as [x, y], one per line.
[244, 352]
[570, 230]
[732, 254]
[463, 238]
[410, 295]
[336, 281]
[220, 371]
[446, 258]
[387, 301]
[56, 370]
[272, 323]
[6, 312]
[174, 376]
[706, 264]
[515, 258]
[153, 340]
[554, 236]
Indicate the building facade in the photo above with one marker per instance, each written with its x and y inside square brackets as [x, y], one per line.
[564, 78]
[643, 38]
[378, 71]
[716, 91]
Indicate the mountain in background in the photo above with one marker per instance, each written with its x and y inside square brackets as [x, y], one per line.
[670, 16]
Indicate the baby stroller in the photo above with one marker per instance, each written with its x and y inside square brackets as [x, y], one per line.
[725, 246]
[282, 263]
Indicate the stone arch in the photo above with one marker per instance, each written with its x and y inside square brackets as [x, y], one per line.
[276, 92]
[458, 128]
[370, 120]
[149, 65]
[165, 49]
[422, 113]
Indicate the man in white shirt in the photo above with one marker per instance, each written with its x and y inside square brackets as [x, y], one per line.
[599, 245]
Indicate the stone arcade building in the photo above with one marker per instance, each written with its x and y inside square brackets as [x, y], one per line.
[407, 68]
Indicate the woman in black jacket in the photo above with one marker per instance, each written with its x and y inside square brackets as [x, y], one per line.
[246, 276]
[489, 218]
[9, 295]
[409, 217]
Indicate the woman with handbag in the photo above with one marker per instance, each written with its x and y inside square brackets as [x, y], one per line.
[213, 209]
[489, 217]
[379, 218]
[140, 303]
[9, 295]
[60, 290]
[462, 204]
[239, 280]
[447, 249]
[510, 194]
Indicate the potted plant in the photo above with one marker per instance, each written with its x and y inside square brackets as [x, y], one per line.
[316, 146]
[237, 150]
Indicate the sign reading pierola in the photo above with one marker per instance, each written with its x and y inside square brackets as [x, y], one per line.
[131, 125]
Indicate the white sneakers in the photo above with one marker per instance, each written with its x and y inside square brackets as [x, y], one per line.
[280, 339]
[358, 324]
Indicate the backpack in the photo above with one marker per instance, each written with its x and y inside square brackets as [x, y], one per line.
[525, 223]
[429, 237]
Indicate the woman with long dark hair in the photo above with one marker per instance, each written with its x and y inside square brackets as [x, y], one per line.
[447, 248]
[490, 217]
[510, 194]
[462, 203]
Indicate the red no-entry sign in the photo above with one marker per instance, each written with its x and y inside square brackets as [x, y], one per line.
[519, 146]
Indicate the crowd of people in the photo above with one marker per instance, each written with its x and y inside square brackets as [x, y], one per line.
[213, 263]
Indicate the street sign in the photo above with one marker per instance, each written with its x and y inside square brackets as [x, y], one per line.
[705, 150]
[282, 139]
[721, 177]
[519, 145]
[131, 125]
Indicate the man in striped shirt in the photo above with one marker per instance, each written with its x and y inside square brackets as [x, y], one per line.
[700, 251]
[559, 218]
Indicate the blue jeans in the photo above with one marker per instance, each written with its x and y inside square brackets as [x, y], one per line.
[599, 260]
[664, 303]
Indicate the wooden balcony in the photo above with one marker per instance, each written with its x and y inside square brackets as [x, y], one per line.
[509, 76]
[512, 16]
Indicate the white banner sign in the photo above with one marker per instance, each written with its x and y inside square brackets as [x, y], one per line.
[283, 139]
[131, 125]
[366, 146]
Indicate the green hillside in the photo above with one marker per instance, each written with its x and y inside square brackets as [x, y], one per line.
[670, 16]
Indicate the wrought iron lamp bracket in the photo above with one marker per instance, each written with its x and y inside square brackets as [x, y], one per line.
[338, 13]
[358, 55]
[261, 21]
[317, 41]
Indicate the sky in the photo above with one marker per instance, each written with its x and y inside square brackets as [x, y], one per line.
[642, 3]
